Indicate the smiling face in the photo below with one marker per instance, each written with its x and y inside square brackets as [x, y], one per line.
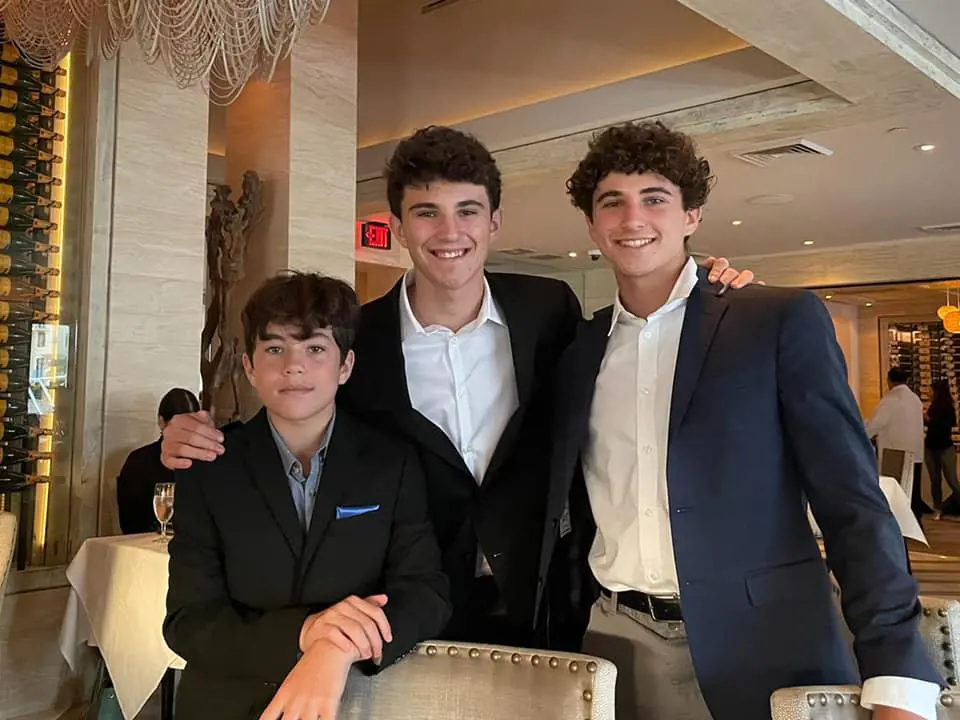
[297, 378]
[639, 223]
[447, 228]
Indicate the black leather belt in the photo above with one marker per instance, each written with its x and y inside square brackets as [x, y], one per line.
[662, 609]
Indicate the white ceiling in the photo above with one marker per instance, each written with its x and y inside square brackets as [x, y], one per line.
[875, 187]
[464, 61]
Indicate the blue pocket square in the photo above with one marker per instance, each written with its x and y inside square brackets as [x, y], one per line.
[350, 511]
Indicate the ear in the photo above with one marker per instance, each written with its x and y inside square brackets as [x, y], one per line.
[346, 367]
[249, 370]
[396, 227]
[691, 221]
[496, 219]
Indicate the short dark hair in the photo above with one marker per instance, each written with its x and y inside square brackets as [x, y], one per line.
[177, 402]
[308, 301]
[898, 376]
[438, 153]
[636, 148]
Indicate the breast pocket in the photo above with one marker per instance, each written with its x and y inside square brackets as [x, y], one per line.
[792, 583]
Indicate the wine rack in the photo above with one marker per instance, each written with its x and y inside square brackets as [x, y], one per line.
[33, 345]
[927, 352]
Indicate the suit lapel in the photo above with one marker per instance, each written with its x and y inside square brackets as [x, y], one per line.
[340, 468]
[704, 311]
[580, 376]
[381, 367]
[523, 347]
[270, 477]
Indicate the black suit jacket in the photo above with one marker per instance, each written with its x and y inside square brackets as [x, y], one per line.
[761, 419]
[141, 472]
[506, 512]
[244, 576]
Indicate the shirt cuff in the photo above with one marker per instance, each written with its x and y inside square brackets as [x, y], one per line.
[916, 696]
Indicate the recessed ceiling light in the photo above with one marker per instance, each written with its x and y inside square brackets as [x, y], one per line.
[808, 242]
[571, 254]
[868, 304]
[926, 147]
[828, 297]
[737, 222]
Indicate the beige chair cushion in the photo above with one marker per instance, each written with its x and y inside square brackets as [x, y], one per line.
[839, 702]
[8, 541]
[446, 681]
[940, 630]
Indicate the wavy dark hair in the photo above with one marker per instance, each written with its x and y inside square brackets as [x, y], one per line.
[306, 301]
[438, 153]
[636, 148]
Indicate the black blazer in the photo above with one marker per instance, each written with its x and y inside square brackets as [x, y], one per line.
[244, 576]
[506, 512]
[141, 472]
[761, 419]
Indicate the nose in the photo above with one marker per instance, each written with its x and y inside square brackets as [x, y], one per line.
[634, 215]
[293, 364]
[447, 227]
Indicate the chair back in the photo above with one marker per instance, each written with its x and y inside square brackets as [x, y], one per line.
[898, 464]
[8, 542]
[840, 702]
[940, 630]
[441, 681]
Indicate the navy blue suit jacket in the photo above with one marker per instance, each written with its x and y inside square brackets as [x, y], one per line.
[761, 418]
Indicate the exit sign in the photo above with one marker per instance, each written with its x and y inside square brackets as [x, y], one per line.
[375, 235]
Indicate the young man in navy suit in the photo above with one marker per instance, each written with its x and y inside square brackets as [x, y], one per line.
[692, 429]
[307, 547]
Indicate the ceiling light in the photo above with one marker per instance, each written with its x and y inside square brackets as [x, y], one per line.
[828, 297]
[868, 304]
[737, 222]
[926, 147]
[571, 254]
[808, 243]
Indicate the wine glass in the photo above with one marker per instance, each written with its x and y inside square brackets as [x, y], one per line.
[163, 508]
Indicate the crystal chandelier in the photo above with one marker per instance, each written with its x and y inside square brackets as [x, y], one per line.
[218, 43]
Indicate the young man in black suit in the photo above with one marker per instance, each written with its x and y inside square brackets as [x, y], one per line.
[311, 529]
[692, 428]
[462, 363]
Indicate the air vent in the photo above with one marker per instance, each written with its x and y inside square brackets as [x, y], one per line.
[761, 157]
[517, 252]
[544, 257]
[431, 5]
[942, 228]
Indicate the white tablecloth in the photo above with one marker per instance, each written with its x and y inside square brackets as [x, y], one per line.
[899, 505]
[117, 603]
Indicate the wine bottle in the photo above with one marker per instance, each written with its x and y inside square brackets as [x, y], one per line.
[22, 290]
[11, 124]
[19, 266]
[14, 336]
[17, 194]
[22, 480]
[12, 431]
[35, 81]
[23, 222]
[19, 102]
[9, 408]
[14, 455]
[20, 172]
[25, 151]
[21, 313]
[24, 242]
[10, 384]
[11, 55]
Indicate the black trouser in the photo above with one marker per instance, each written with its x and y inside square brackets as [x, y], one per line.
[483, 619]
[919, 507]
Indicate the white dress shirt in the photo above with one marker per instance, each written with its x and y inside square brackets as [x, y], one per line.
[625, 467]
[464, 382]
[897, 423]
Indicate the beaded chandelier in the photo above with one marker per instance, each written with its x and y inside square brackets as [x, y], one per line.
[218, 43]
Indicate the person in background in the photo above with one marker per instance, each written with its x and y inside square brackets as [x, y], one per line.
[941, 458]
[897, 424]
[309, 527]
[142, 469]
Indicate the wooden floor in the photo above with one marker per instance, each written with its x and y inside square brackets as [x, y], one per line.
[937, 568]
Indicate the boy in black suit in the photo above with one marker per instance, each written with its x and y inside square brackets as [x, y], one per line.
[306, 548]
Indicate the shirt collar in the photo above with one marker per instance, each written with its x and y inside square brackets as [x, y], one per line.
[410, 326]
[678, 297]
[290, 461]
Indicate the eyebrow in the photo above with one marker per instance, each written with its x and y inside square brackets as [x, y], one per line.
[652, 190]
[266, 337]
[434, 206]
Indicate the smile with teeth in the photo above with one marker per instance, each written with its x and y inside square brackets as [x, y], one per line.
[450, 254]
[635, 242]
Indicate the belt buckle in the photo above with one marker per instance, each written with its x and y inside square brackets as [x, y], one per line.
[653, 613]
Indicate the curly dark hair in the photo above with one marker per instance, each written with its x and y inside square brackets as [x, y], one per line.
[440, 153]
[638, 148]
[307, 301]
